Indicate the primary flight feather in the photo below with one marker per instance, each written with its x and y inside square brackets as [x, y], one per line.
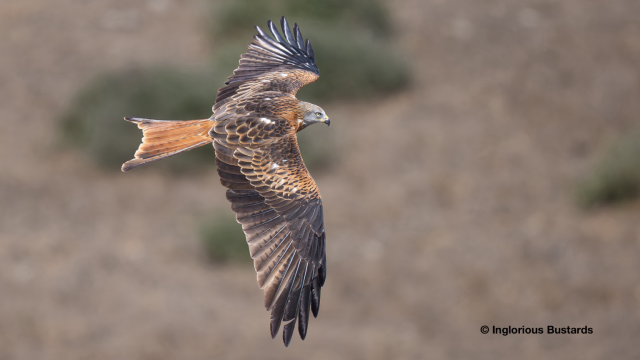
[253, 130]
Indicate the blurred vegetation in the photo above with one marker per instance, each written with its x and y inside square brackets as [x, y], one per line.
[224, 240]
[354, 65]
[94, 122]
[239, 17]
[616, 178]
[318, 148]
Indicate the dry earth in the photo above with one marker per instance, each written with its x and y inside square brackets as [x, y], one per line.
[450, 207]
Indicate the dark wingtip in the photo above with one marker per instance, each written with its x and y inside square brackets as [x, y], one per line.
[275, 32]
[259, 31]
[276, 319]
[298, 36]
[315, 297]
[287, 32]
[322, 275]
[310, 50]
[287, 333]
[274, 329]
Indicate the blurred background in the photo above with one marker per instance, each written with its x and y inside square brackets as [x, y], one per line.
[483, 168]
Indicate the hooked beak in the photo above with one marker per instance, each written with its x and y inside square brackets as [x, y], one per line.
[327, 120]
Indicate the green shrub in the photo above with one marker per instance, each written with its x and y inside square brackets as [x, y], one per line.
[617, 177]
[94, 121]
[240, 16]
[224, 240]
[354, 66]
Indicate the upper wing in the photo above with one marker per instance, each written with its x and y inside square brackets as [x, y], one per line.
[283, 64]
[280, 209]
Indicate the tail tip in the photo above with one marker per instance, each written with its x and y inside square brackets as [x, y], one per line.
[131, 164]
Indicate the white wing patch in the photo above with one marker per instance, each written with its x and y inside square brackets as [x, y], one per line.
[274, 166]
[267, 121]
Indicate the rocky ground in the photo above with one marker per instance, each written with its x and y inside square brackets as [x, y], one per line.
[450, 208]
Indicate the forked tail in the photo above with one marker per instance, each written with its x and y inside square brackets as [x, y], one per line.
[164, 138]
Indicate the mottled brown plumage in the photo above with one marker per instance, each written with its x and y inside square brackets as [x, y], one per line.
[253, 129]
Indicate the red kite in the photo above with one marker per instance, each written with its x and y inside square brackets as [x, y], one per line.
[253, 129]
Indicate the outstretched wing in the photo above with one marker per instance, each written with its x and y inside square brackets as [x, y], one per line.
[279, 63]
[279, 206]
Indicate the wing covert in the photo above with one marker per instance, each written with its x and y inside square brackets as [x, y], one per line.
[272, 63]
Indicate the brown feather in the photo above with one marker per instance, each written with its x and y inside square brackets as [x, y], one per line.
[164, 138]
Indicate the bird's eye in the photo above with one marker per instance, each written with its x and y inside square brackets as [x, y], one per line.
[318, 115]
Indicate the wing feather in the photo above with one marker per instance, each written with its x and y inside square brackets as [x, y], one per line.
[277, 305]
[287, 32]
[292, 305]
[275, 32]
[266, 56]
[305, 304]
[299, 38]
[281, 215]
[310, 50]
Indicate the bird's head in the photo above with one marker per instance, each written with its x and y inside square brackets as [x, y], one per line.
[311, 114]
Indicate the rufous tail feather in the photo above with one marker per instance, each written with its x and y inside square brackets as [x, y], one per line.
[164, 138]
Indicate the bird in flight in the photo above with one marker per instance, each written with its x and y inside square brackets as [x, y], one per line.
[253, 130]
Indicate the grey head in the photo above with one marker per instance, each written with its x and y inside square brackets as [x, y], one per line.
[312, 114]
